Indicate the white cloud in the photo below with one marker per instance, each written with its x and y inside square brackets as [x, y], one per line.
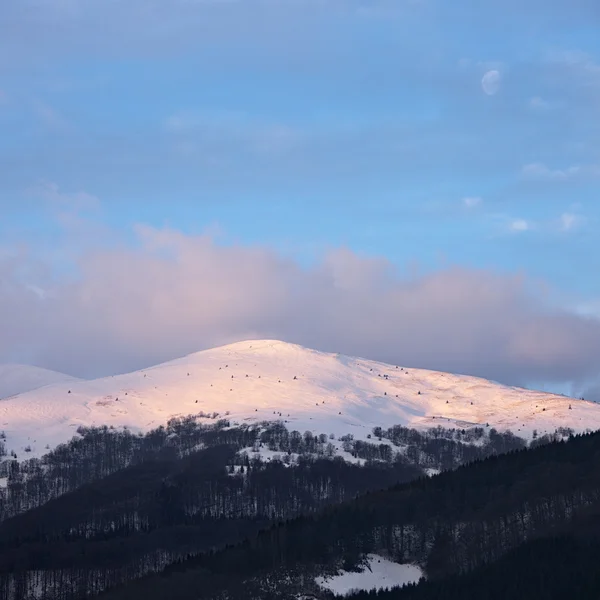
[520, 225]
[472, 201]
[580, 63]
[566, 222]
[174, 293]
[538, 103]
[570, 221]
[541, 171]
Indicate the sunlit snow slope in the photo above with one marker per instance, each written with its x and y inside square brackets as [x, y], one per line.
[272, 380]
[16, 379]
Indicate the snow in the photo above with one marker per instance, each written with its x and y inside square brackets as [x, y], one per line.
[277, 381]
[380, 573]
[16, 379]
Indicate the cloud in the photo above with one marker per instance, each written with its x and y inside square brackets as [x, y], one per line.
[542, 172]
[173, 293]
[472, 201]
[569, 221]
[566, 222]
[260, 27]
[580, 64]
[60, 201]
[520, 225]
[260, 136]
[72, 217]
[188, 121]
[426, 118]
[59, 26]
[50, 118]
[538, 103]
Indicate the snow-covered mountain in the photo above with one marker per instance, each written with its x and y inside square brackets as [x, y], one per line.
[263, 380]
[17, 379]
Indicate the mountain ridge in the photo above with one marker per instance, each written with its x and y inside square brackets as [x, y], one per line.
[270, 380]
[17, 379]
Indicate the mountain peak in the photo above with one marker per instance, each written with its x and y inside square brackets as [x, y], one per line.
[272, 380]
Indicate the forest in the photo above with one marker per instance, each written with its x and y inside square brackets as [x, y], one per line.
[207, 506]
[458, 525]
[553, 568]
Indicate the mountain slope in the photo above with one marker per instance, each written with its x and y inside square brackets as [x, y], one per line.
[18, 379]
[270, 380]
[454, 523]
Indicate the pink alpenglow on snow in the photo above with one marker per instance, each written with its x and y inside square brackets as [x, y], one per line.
[307, 389]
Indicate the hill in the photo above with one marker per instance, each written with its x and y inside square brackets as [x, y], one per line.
[267, 380]
[18, 379]
[513, 526]
[520, 525]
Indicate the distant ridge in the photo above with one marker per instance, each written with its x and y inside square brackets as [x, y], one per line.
[18, 379]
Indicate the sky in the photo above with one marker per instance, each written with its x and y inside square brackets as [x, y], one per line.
[413, 181]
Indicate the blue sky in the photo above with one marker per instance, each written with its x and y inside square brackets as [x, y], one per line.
[303, 127]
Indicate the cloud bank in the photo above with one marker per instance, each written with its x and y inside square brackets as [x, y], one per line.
[171, 293]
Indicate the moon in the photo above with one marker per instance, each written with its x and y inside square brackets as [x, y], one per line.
[490, 82]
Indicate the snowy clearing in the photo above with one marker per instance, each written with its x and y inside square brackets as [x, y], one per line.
[380, 573]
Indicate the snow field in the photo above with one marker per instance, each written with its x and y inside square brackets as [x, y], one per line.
[380, 573]
[268, 380]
